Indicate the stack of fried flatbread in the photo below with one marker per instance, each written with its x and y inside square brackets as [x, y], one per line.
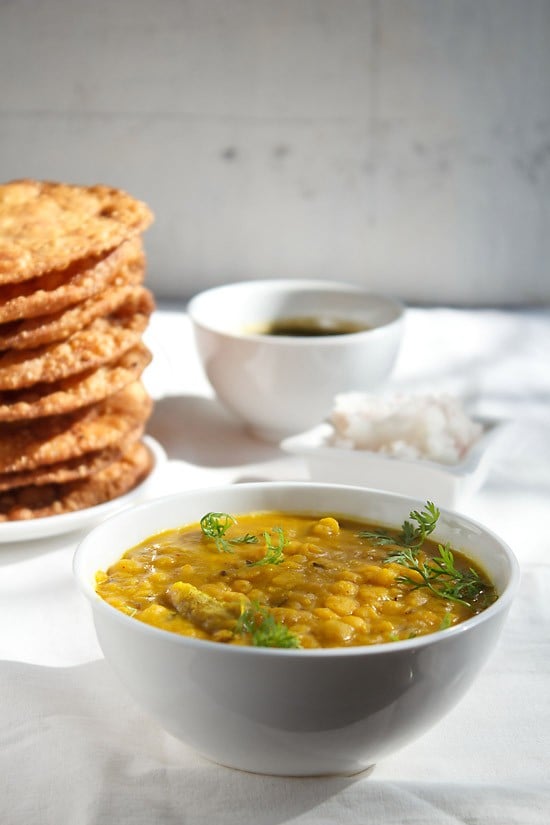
[73, 310]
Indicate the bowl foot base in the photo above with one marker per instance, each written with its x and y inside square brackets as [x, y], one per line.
[363, 772]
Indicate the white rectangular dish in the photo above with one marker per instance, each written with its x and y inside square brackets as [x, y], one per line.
[446, 484]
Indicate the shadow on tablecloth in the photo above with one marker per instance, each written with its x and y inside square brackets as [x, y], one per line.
[77, 751]
[198, 430]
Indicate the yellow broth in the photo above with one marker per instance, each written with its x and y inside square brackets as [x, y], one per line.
[332, 588]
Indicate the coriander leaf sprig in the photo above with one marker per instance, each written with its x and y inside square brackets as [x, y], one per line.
[411, 536]
[441, 576]
[426, 520]
[274, 552]
[215, 525]
[264, 629]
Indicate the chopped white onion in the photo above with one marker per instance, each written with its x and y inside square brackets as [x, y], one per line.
[430, 427]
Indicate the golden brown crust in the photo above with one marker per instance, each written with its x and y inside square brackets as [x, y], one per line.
[71, 470]
[46, 225]
[34, 332]
[72, 314]
[55, 499]
[101, 342]
[84, 278]
[76, 391]
[28, 445]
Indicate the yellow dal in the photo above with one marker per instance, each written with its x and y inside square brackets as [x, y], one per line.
[333, 588]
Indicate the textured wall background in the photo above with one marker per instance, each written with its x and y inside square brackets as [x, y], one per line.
[404, 144]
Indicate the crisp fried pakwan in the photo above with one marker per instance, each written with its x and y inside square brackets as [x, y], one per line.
[72, 317]
[45, 225]
[280, 579]
[59, 289]
[51, 499]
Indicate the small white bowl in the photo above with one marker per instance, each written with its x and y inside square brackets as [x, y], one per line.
[279, 385]
[293, 712]
[448, 484]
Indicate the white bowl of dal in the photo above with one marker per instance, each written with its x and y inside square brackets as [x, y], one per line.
[277, 351]
[294, 712]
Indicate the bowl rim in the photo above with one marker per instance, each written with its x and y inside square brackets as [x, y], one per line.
[501, 604]
[289, 286]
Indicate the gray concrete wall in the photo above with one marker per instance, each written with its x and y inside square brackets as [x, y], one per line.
[404, 144]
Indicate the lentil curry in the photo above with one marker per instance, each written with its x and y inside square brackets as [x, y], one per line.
[281, 579]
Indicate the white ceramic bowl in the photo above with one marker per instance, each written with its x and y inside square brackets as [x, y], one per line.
[293, 712]
[282, 385]
[448, 484]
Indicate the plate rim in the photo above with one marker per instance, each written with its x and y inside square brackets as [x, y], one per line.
[48, 526]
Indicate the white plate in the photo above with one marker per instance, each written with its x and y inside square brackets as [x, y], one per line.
[27, 530]
[445, 484]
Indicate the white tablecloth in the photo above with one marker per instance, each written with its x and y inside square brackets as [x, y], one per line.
[75, 749]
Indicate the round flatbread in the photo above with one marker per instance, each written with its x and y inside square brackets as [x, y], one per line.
[77, 391]
[101, 342]
[28, 445]
[46, 225]
[55, 499]
[35, 332]
[59, 289]
[71, 470]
